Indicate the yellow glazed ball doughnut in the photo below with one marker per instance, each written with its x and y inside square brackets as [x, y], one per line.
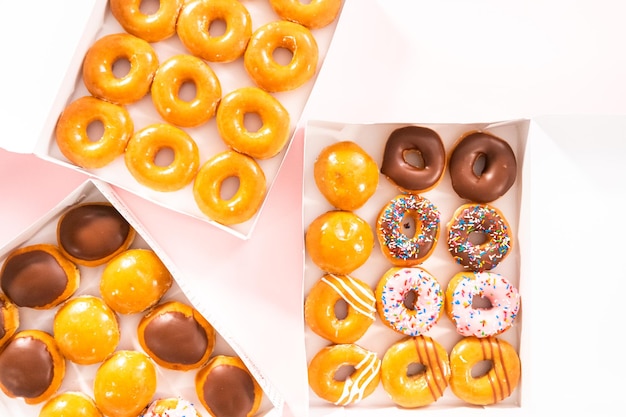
[70, 404]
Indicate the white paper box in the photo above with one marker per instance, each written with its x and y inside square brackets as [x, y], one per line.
[80, 377]
[231, 75]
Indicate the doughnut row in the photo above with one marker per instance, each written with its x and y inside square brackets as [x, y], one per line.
[84, 328]
[162, 155]
[407, 298]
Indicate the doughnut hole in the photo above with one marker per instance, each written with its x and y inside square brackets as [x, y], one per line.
[282, 56]
[481, 302]
[341, 309]
[480, 165]
[149, 7]
[229, 188]
[217, 28]
[414, 158]
[478, 238]
[410, 300]
[187, 91]
[252, 121]
[481, 368]
[120, 68]
[164, 157]
[410, 225]
[415, 369]
[95, 130]
[343, 373]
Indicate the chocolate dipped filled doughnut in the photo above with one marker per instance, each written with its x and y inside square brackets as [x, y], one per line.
[412, 390]
[31, 366]
[346, 175]
[360, 384]
[170, 407]
[320, 311]
[479, 237]
[91, 234]
[414, 159]
[339, 241]
[124, 384]
[149, 26]
[9, 319]
[482, 167]
[70, 403]
[393, 228]
[134, 281]
[176, 336]
[313, 14]
[100, 78]
[497, 383]
[38, 276]
[86, 330]
[226, 388]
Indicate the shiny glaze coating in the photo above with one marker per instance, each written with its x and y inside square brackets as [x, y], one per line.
[313, 14]
[70, 403]
[151, 27]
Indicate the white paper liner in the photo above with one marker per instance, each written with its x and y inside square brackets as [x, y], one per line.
[372, 138]
[231, 75]
[170, 383]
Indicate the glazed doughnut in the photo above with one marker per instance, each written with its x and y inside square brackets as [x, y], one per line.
[271, 75]
[479, 237]
[124, 383]
[98, 68]
[70, 403]
[314, 14]
[144, 147]
[226, 388]
[482, 184]
[470, 320]
[72, 134]
[357, 386]
[412, 390]
[171, 76]
[346, 175]
[176, 336]
[86, 330]
[31, 366]
[339, 241]
[247, 199]
[427, 171]
[9, 319]
[494, 386]
[399, 247]
[320, 313]
[264, 142]
[92, 234]
[134, 281]
[409, 300]
[194, 29]
[38, 276]
[151, 27]
[170, 407]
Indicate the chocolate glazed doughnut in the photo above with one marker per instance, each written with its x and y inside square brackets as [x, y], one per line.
[489, 182]
[427, 146]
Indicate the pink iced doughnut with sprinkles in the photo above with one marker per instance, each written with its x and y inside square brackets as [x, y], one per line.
[479, 236]
[481, 304]
[409, 300]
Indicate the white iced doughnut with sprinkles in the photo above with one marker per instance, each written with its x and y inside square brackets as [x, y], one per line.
[409, 300]
[394, 219]
[499, 303]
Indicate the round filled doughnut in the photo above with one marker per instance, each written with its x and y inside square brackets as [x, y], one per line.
[464, 293]
[70, 403]
[169, 100]
[144, 147]
[210, 190]
[31, 366]
[409, 300]
[479, 237]
[339, 241]
[93, 233]
[225, 387]
[314, 14]
[262, 143]
[9, 319]
[497, 384]
[360, 384]
[394, 226]
[346, 175]
[273, 76]
[411, 389]
[73, 138]
[414, 159]
[149, 26]
[38, 276]
[194, 29]
[482, 167]
[100, 77]
[320, 308]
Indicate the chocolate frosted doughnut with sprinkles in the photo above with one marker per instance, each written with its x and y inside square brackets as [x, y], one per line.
[399, 246]
[409, 300]
[479, 237]
[500, 302]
